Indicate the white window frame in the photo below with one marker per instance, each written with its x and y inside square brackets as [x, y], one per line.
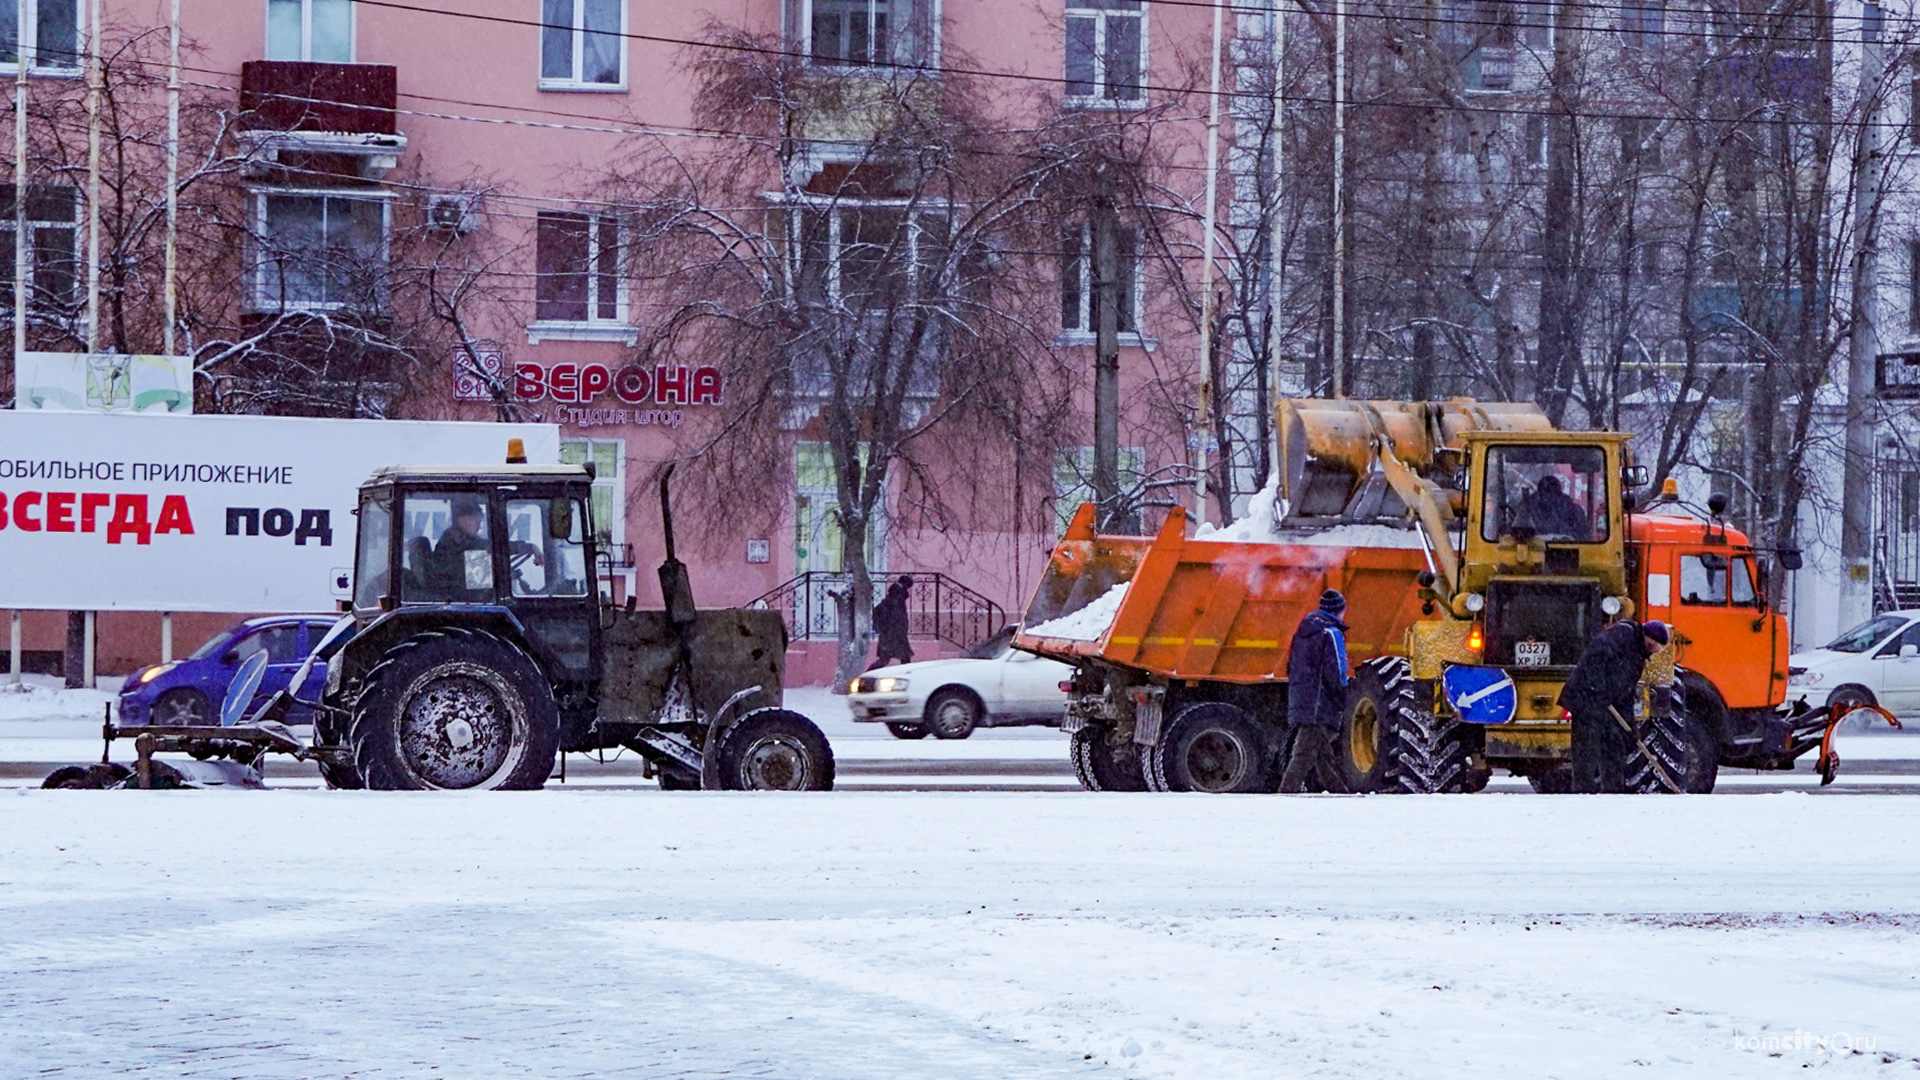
[923, 53]
[613, 482]
[574, 83]
[1087, 333]
[306, 33]
[29, 44]
[1073, 479]
[1100, 99]
[834, 209]
[265, 301]
[37, 313]
[593, 327]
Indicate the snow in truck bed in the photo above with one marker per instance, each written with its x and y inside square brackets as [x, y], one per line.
[957, 936]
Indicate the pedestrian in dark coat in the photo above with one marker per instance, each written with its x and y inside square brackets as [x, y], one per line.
[1602, 684]
[1317, 698]
[890, 624]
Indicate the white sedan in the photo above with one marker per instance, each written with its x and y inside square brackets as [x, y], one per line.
[990, 685]
[1875, 663]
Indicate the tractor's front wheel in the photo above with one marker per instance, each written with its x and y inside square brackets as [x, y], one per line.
[1680, 743]
[454, 709]
[1414, 750]
[775, 750]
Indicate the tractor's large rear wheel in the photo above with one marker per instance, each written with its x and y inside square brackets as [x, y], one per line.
[775, 750]
[1103, 766]
[1211, 747]
[454, 709]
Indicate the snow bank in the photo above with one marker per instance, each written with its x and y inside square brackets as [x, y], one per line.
[1265, 510]
[1087, 624]
[35, 701]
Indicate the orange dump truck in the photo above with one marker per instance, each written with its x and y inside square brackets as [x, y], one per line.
[1418, 513]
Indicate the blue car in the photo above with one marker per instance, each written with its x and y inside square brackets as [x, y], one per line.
[191, 691]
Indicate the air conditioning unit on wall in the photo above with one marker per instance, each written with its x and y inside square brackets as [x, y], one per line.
[453, 212]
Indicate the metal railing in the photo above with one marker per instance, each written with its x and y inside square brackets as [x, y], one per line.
[937, 607]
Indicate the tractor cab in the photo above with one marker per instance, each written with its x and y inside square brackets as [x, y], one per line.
[512, 543]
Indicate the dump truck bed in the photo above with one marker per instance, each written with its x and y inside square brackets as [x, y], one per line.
[1214, 609]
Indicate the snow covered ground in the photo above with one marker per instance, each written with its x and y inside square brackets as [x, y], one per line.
[651, 934]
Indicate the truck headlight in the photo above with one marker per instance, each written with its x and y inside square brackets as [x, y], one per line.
[1610, 605]
[1475, 602]
[889, 685]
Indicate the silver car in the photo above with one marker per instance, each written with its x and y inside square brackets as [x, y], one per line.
[990, 685]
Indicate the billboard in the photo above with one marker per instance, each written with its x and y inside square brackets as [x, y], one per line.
[104, 382]
[205, 513]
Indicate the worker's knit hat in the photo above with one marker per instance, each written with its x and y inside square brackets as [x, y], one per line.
[1332, 602]
[1655, 629]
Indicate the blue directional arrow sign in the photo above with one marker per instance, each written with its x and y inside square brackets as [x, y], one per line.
[1480, 695]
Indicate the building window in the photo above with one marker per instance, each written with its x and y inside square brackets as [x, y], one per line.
[320, 251]
[316, 30]
[577, 268]
[1106, 52]
[1077, 315]
[582, 45]
[52, 36]
[1073, 480]
[861, 33]
[609, 489]
[1643, 25]
[53, 279]
[867, 255]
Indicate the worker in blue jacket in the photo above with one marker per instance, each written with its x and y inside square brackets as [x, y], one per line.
[1317, 699]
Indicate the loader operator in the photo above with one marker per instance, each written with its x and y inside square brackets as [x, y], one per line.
[1548, 512]
[1599, 694]
[1317, 699]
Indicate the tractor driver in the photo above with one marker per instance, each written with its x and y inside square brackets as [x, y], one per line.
[456, 574]
[1548, 512]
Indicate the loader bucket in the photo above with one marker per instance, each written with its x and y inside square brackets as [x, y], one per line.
[1328, 448]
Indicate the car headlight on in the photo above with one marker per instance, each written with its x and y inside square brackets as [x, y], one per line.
[890, 685]
[155, 672]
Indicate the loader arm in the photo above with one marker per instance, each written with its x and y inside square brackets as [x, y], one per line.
[1418, 493]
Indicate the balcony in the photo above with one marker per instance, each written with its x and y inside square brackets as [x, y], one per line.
[327, 118]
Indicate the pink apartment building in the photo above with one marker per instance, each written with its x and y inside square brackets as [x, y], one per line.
[506, 115]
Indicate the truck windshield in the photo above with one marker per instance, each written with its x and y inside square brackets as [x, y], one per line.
[370, 569]
[1550, 492]
[1866, 635]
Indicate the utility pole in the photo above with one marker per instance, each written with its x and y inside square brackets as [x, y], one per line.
[1339, 350]
[1558, 337]
[1106, 348]
[1206, 271]
[1856, 506]
[23, 60]
[1276, 257]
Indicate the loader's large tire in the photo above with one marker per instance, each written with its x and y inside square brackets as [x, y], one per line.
[1377, 692]
[775, 750]
[1682, 745]
[1419, 753]
[1554, 781]
[1102, 766]
[1210, 747]
[454, 709]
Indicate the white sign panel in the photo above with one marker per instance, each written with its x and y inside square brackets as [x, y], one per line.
[104, 382]
[205, 513]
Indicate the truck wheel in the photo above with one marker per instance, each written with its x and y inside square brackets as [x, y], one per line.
[907, 730]
[91, 777]
[1211, 747]
[952, 714]
[1102, 767]
[454, 709]
[775, 750]
[674, 780]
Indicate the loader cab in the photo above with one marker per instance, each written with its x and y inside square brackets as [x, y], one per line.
[512, 544]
